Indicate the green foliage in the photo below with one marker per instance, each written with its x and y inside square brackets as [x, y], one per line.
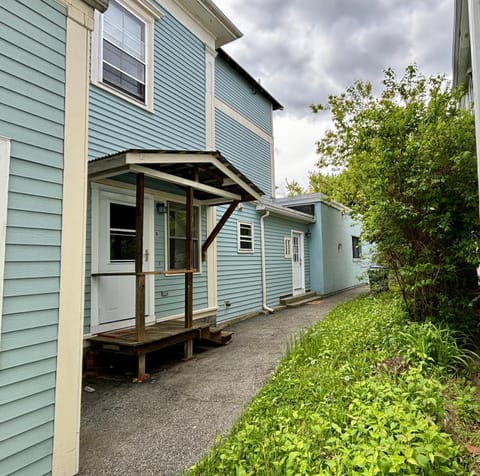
[293, 188]
[333, 407]
[409, 161]
[433, 346]
[378, 279]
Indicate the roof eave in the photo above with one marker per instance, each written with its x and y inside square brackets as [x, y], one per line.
[213, 20]
[246, 75]
[285, 212]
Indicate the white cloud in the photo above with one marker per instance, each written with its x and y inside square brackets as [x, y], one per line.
[305, 50]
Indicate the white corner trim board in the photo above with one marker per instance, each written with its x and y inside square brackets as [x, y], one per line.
[4, 175]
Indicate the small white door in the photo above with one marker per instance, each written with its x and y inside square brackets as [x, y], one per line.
[115, 295]
[298, 275]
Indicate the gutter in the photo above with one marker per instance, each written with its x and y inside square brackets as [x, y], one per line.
[264, 270]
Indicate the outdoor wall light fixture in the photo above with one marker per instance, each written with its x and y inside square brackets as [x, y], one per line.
[339, 247]
[161, 208]
[308, 234]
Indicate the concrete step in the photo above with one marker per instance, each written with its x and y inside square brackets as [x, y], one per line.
[298, 299]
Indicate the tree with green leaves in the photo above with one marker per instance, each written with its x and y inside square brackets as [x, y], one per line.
[409, 166]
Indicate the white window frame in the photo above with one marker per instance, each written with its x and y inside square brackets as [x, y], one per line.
[251, 238]
[287, 247]
[4, 176]
[147, 13]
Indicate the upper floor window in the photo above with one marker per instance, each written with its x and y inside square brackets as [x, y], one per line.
[124, 47]
[123, 51]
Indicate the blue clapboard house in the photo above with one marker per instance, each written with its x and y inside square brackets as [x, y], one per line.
[137, 204]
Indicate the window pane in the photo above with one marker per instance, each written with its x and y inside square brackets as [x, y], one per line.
[124, 55]
[125, 63]
[178, 220]
[122, 232]
[177, 217]
[177, 253]
[245, 230]
[356, 247]
[122, 246]
[122, 217]
[123, 82]
[245, 245]
[124, 30]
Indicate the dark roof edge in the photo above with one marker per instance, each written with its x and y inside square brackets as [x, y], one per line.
[225, 56]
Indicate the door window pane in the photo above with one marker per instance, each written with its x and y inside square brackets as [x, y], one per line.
[122, 232]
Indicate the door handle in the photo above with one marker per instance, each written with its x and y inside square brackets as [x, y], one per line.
[146, 255]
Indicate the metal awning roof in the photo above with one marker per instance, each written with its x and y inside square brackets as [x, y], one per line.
[213, 178]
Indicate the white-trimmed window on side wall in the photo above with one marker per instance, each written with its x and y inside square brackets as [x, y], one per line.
[245, 237]
[4, 175]
[287, 247]
[125, 50]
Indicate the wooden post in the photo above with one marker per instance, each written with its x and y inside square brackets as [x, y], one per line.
[141, 365]
[189, 264]
[139, 276]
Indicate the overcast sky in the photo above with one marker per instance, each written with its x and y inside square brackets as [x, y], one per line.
[304, 50]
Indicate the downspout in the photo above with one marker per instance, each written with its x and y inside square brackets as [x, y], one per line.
[264, 267]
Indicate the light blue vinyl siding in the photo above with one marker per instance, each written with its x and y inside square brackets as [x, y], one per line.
[279, 268]
[238, 93]
[239, 274]
[32, 79]
[333, 267]
[248, 152]
[178, 121]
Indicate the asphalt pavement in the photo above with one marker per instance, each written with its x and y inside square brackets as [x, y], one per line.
[163, 426]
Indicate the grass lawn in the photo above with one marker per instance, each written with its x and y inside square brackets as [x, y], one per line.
[362, 392]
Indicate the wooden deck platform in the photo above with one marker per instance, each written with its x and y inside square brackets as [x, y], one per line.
[157, 336]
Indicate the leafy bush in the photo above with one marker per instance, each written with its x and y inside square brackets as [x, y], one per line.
[409, 170]
[333, 407]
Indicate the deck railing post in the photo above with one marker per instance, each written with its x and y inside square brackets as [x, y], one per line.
[189, 264]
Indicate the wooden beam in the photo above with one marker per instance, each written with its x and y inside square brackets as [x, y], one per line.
[183, 182]
[140, 277]
[218, 227]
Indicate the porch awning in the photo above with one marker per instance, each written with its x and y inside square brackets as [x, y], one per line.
[214, 180]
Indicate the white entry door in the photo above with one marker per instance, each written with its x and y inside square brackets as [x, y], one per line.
[115, 295]
[298, 274]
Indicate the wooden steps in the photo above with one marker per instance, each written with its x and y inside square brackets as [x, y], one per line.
[157, 336]
[217, 336]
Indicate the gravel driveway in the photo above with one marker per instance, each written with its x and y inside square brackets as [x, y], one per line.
[163, 426]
